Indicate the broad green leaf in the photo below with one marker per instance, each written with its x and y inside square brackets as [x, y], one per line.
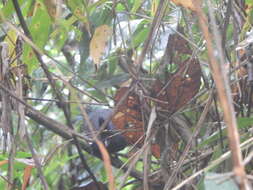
[219, 182]
[139, 34]
[39, 28]
[40, 25]
[140, 37]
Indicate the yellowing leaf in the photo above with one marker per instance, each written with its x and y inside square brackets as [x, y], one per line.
[11, 40]
[185, 3]
[98, 42]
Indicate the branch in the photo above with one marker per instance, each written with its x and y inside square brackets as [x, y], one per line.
[63, 131]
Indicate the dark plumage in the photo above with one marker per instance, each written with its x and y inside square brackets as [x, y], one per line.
[111, 138]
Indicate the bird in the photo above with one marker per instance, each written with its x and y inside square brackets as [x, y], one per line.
[110, 136]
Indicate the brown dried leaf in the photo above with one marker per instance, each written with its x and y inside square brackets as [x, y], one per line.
[180, 88]
[180, 45]
[128, 120]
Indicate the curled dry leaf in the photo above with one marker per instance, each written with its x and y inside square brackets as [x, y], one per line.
[98, 42]
[179, 88]
[128, 120]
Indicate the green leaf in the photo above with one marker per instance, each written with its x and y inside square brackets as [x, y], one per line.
[244, 122]
[39, 28]
[23, 155]
[249, 2]
[140, 34]
[219, 182]
[102, 15]
[120, 7]
[78, 10]
[140, 37]
[8, 9]
[40, 25]
[136, 6]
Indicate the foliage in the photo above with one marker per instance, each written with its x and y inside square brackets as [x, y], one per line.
[146, 60]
